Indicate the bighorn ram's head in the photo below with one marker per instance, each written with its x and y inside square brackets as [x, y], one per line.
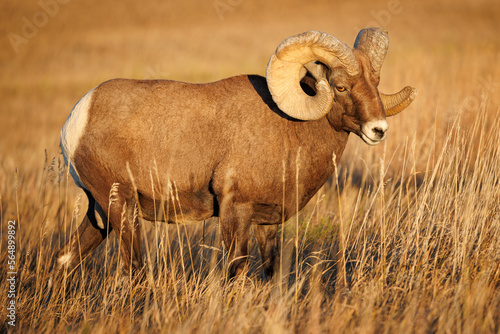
[345, 82]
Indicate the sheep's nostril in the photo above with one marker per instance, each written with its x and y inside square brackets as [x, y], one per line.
[379, 132]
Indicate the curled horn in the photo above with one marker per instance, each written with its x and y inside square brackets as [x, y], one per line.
[284, 70]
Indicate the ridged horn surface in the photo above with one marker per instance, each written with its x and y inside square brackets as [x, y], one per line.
[284, 70]
[374, 43]
[395, 103]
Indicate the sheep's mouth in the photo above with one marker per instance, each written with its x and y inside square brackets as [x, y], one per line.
[371, 141]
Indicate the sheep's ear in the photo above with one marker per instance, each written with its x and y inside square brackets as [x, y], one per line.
[316, 69]
[310, 74]
[396, 103]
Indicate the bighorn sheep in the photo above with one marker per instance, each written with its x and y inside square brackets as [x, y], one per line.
[174, 151]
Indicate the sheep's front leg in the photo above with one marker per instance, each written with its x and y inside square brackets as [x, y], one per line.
[234, 227]
[267, 238]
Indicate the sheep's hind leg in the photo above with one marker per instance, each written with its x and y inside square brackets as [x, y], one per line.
[87, 237]
[123, 216]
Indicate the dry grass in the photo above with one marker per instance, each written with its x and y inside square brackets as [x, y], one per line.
[405, 238]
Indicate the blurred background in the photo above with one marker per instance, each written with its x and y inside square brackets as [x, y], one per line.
[53, 51]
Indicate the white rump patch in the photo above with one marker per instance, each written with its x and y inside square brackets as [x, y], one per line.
[72, 131]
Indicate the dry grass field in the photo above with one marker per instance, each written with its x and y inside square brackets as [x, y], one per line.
[405, 237]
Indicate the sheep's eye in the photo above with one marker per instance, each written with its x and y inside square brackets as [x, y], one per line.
[341, 88]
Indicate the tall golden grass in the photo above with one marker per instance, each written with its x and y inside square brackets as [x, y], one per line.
[404, 238]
